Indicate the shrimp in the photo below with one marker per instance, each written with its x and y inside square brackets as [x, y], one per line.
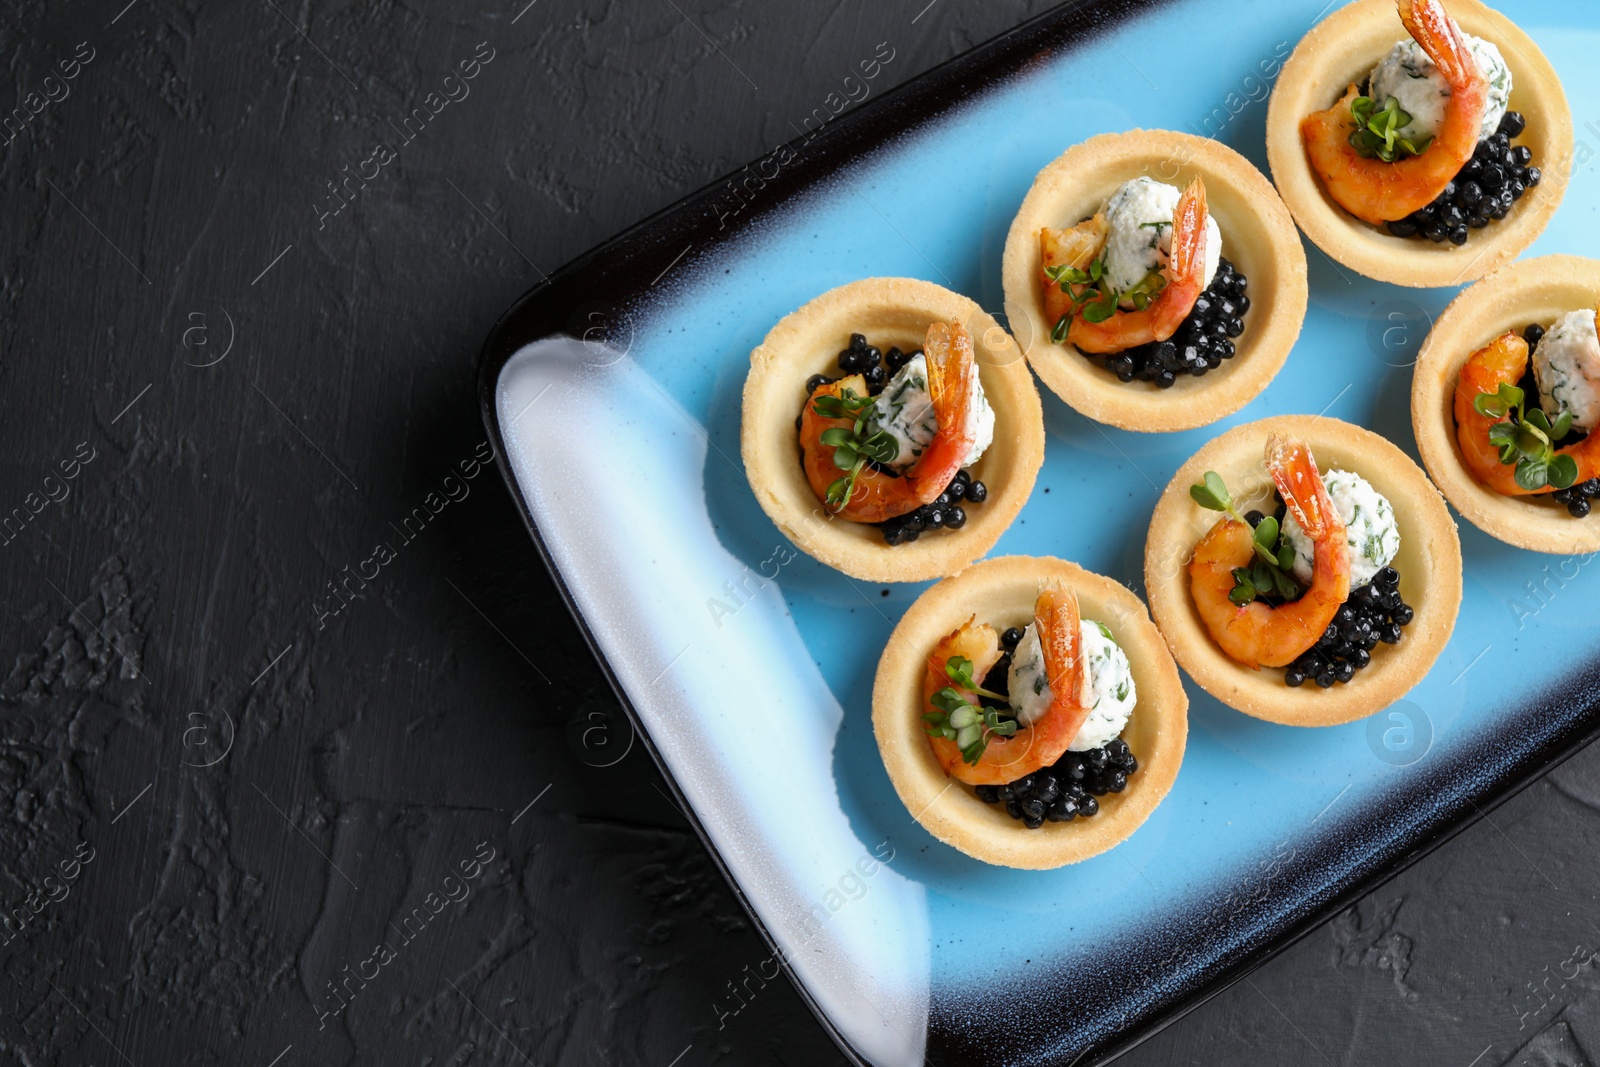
[879, 495]
[1379, 192]
[1504, 361]
[1031, 748]
[1258, 634]
[1073, 247]
[1186, 279]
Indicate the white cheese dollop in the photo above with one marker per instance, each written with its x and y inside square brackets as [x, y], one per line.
[905, 410]
[1139, 232]
[1110, 679]
[1408, 75]
[1369, 524]
[1567, 367]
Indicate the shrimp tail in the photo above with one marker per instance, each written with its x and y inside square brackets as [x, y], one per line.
[1294, 472]
[1188, 257]
[1439, 36]
[951, 366]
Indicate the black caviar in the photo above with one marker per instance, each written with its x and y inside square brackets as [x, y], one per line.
[944, 512]
[1374, 613]
[1201, 344]
[1068, 788]
[1494, 179]
[949, 510]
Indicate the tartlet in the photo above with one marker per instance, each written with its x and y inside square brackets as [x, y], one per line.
[1428, 561]
[1258, 236]
[894, 311]
[1532, 291]
[1002, 591]
[1340, 51]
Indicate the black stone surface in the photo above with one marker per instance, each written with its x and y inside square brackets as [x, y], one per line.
[241, 745]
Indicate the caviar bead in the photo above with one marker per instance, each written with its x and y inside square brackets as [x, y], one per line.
[955, 518]
[1009, 639]
[817, 381]
[876, 379]
[1579, 507]
[1067, 789]
[1485, 188]
[977, 492]
[850, 361]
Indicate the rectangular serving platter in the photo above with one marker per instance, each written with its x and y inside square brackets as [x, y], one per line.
[746, 667]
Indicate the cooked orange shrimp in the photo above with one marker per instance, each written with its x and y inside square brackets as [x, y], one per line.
[1073, 247]
[952, 384]
[1504, 361]
[1186, 280]
[1005, 759]
[1258, 634]
[1379, 192]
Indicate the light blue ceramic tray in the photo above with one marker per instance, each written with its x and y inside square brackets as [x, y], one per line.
[614, 393]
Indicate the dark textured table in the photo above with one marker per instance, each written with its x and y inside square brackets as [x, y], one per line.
[301, 760]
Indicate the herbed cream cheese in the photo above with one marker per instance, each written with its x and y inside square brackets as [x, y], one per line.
[905, 411]
[1566, 366]
[1110, 680]
[1139, 232]
[1408, 75]
[1369, 523]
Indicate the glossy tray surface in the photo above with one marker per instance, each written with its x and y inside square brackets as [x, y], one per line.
[615, 394]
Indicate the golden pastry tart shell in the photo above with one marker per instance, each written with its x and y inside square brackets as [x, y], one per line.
[1344, 48]
[1258, 236]
[889, 311]
[1533, 291]
[1429, 562]
[1002, 592]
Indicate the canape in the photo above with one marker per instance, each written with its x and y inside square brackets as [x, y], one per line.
[1420, 142]
[1029, 713]
[1303, 570]
[1505, 401]
[1154, 279]
[890, 429]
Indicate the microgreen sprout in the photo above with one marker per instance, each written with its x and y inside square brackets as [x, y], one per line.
[1527, 438]
[1092, 294]
[1377, 132]
[958, 719]
[1269, 573]
[854, 446]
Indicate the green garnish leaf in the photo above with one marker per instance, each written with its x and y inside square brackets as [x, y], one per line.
[1532, 474]
[1266, 535]
[1489, 406]
[1562, 427]
[881, 446]
[1059, 333]
[835, 436]
[1244, 590]
[1562, 472]
[959, 670]
[1212, 493]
